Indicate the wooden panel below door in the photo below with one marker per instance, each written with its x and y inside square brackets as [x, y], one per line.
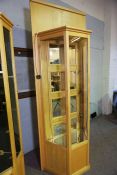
[56, 158]
[79, 157]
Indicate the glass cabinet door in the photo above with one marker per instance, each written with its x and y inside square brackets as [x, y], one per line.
[5, 145]
[12, 87]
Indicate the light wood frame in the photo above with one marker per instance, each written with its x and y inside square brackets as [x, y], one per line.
[18, 161]
[72, 159]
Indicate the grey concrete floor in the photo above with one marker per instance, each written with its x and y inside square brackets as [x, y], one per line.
[103, 149]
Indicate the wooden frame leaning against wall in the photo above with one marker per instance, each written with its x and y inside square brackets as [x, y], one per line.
[11, 151]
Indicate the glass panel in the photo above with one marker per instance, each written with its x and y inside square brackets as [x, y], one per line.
[72, 54]
[75, 131]
[72, 80]
[74, 49]
[5, 146]
[12, 88]
[60, 140]
[73, 104]
[59, 132]
[56, 51]
[57, 81]
[14, 113]
[59, 129]
[58, 107]
[83, 49]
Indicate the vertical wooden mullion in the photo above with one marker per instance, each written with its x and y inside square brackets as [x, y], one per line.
[67, 89]
[7, 96]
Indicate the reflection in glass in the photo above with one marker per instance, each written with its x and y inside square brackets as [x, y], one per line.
[75, 131]
[59, 134]
[5, 146]
[73, 104]
[72, 55]
[56, 51]
[60, 140]
[58, 107]
[72, 80]
[59, 129]
[12, 88]
[57, 81]
[54, 56]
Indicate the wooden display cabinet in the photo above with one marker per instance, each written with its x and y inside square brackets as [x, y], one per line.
[62, 66]
[11, 154]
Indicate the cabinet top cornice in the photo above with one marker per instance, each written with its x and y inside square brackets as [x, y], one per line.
[64, 28]
[5, 19]
[73, 10]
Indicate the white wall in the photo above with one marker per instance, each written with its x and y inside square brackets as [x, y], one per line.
[94, 8]
[97, 50]
[113, 50]
[17, 11]
[110, 55]
[106, 103]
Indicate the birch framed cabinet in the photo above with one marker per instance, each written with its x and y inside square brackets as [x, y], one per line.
[62, 66]
[11, 154]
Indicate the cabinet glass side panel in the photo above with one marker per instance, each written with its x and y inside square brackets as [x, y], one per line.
[78, 49]
[73, 104]
[5, 145]
[58, 107]
[75, 130]
[57, 81]
[56, 50]
[12, 87]
[72, 54]
[59, 132]
[73, 80]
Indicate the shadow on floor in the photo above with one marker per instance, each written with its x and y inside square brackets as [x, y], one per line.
[103, 146]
